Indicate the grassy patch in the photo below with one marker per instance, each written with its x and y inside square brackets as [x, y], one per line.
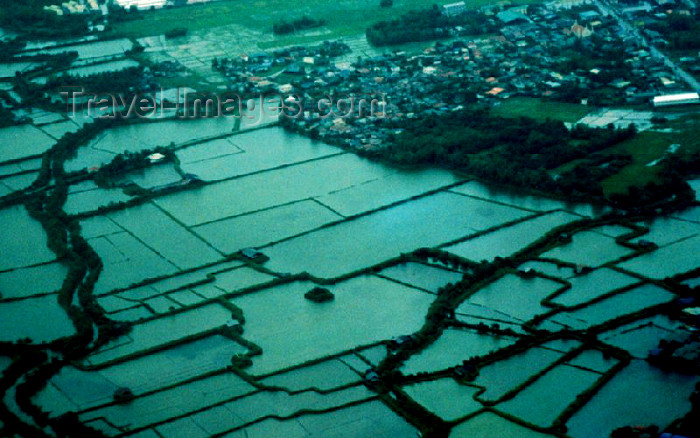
[541, 109]
[644, 148]
[649, 146]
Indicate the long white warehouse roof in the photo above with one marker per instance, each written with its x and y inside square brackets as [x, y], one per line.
[676, 97]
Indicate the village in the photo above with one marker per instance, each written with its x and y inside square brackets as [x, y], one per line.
[565, 51]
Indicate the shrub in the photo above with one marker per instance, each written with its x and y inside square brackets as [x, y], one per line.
[177, 32]
[319, 295]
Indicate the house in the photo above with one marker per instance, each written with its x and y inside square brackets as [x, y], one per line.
[190, 178]
[285, 88]
[512, 15]
[453, 9]
[641, 8]
[156, 157]
[581, 31]
[371, 377]
[692, 314]
[251, 253]
[401, 341]
[588, 15]
[294, 69]
[527, 273]
[568, 4]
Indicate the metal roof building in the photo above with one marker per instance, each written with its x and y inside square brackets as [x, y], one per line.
[454, 8]
[676, 99]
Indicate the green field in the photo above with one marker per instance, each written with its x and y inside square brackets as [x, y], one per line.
[645, 147]
[649, 146]
[541, 109]
[342, 17]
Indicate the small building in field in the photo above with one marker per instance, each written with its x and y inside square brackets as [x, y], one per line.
[254, 255]
[155, 157]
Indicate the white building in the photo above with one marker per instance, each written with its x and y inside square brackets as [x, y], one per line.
[454, 9]
[676, 99]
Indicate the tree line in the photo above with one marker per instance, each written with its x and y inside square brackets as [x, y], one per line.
[29, 17]
[427, 24]
[521, 151]
[283, 27]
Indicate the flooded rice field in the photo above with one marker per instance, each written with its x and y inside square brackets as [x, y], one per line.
[216, 282]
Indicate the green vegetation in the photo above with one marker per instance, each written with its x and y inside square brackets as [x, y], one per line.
[105, 82]
[589, 164]
[283, 27]
[129, 161]
[28, 17]
[540, 109]
[648, 147]
[425, 25]
[319, 295]
[7, 116]
[644, 148]
[176, 32]
[75, 294]
[523, 142]
[9, 48]
[514, 151]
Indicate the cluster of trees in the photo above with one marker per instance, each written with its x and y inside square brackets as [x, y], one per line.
[518, 151]
[332, 49]
[9, 48]
[65, 240]
[126, 162]
[283, 27]
[28, 17]
[672, 185]
[319, 295]
[427, 24]
[681, 31]
[596, 53]
[7, 116]
[105, 82]
[176, 32]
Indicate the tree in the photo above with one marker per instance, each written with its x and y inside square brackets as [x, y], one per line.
[176, 32]
[319, 295]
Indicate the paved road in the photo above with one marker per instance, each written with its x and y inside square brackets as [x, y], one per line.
[606, 9]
